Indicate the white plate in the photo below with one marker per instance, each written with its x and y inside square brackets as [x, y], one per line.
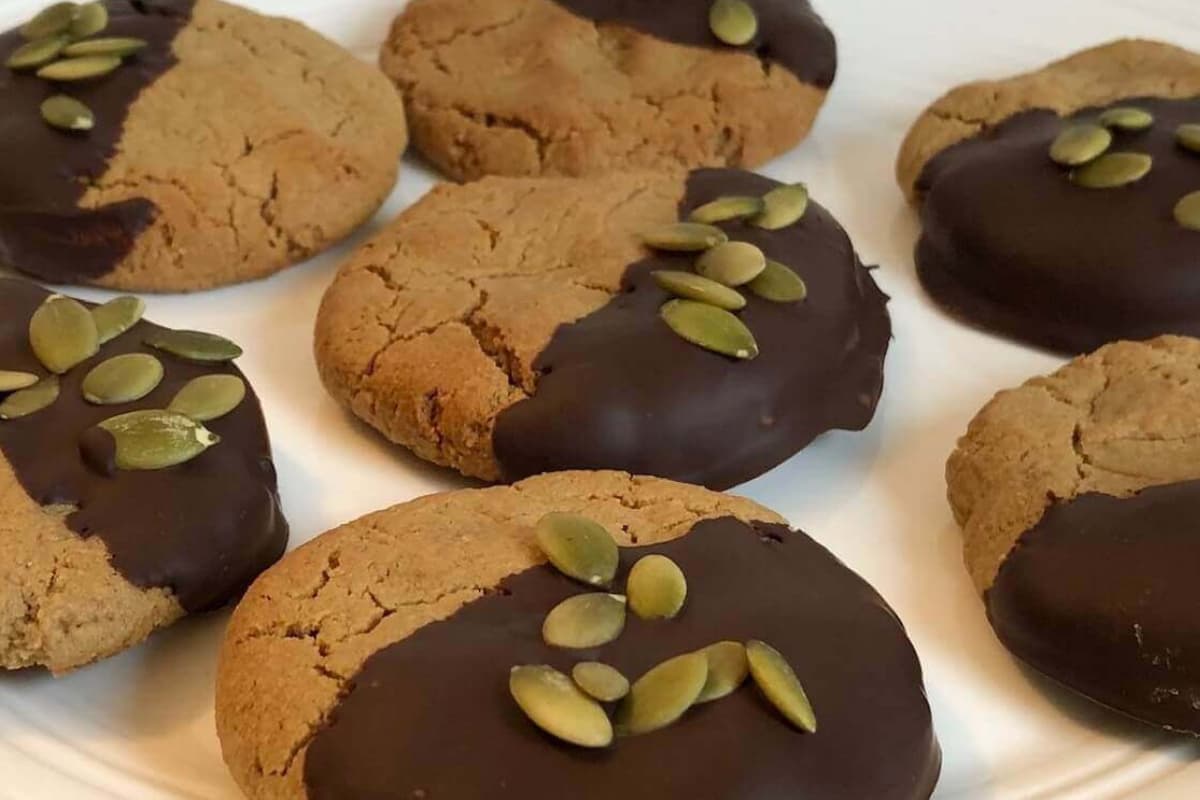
[141, 726]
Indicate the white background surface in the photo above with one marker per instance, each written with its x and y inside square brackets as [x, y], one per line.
[140, 725]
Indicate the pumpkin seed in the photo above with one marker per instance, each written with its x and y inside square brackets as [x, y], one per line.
[578, 547]
[36, 53]
[727, 670]
[50, 21]
[11, 381]
[122, 379]
[656, 587]
[156, 439]
[732, 263]
[779, 284]
[662, 695]
[783, 206]
[1112, 170]
[585, 620]
[1188, 136]
[194, 345]
[79, 69]
[558, 707]
[600, 681]
[29, 401]
[209, 397]
[62, 333]
[691, 286]
[1187, 211]
[710, 327]
[1080, 143]
[724, 209]
[774, 676]
[733, 22]
[1127, 118]
[67, 113]
[117, 316]
[120, 46]
[684, 237]
[90, 19]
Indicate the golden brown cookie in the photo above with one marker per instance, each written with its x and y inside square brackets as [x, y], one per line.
[573, 87]
[230, 146]
[374, 661]
[1078, 494]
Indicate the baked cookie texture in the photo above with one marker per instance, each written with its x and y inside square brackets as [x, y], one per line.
[235, 145]
[327, 614]
[543, 87]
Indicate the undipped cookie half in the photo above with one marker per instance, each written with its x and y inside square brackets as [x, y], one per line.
[374, 661]
[571, 87]
[1078, 494]
[230, 146]
[1016, 243]
[513, 326]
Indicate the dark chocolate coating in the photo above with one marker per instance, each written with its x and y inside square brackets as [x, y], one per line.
[619, 389]
[1010, 244]
[204, 529]
[45, 171]
[1101, 595]
[431, 716]
[790, 32]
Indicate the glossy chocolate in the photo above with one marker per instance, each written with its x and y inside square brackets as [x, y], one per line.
[790, 32]
[619, 390]
[431, 716]
[1011, 245]
[1101, 595]
[204, 529]
[45, 171]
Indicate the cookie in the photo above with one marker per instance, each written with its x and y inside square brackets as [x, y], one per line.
[575, 87]
[231, 145]
[1037, 250]
[1078, 494]
[391, 639]
[97, 554]
[514, 326]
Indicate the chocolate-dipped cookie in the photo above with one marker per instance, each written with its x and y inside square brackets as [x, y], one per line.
[1053, 203]
[515, 326]
[207, 145]
[1078, 495]
[573, 87]
[136, 481]
[392, 641]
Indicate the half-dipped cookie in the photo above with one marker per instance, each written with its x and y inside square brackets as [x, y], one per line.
[572, 87]
[700, 326]
[136, 481]
[167, 145]
[1078, 495]
[584, 634]
[1060, 207]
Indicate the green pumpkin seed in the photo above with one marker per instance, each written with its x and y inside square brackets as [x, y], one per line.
[556, 705]
[194, 345]
[50, 21]
[90, 19]
[578, 547]
[36, 53]
[1188, 136]
[600, 681]
[733, 22]
[784, 206]
[1127, 118]
[724, 209]
[11, 381]
[1187, 211]
[732, 263]
[662, 695]
[779, 284]
[120, 46]
[67, 113]
[209, 397]
[1078, 144]
[585, 620]
[29, 401]
[656, 587]
[684, 237]
[710, 327]
[727, 670]
[691, 286]
[62, 334]
[79, 69]
[155, 439]
[1112, 170]
[774, 676]
[117, 316]
[122, 379]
